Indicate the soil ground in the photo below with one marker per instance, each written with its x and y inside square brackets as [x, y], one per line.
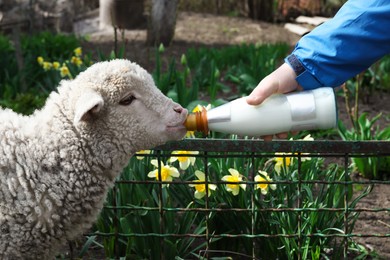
[195, 30]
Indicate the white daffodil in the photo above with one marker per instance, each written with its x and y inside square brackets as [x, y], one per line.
[167, 172]
[234, 176]
[264, 186]
[200, 189]
[184, 159]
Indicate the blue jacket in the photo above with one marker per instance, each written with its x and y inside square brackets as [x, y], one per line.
[344, 46]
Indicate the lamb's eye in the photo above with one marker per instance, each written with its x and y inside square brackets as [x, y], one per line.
[127, 101]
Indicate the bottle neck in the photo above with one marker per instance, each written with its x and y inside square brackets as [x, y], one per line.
[197, 121]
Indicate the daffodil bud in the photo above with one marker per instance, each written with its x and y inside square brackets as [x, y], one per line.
[217, 73]
[161, 48]
[183, 60]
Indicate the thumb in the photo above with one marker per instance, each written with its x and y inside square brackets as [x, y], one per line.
[264, 89]
[282, 80]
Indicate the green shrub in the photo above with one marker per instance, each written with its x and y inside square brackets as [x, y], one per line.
[8, 66]
[37, 82]
[368, 167]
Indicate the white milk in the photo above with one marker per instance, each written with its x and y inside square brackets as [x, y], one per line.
[306, 110]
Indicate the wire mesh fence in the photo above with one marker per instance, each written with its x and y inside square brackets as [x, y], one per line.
[244, 199]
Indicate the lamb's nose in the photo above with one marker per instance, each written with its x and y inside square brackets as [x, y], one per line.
[178, 109]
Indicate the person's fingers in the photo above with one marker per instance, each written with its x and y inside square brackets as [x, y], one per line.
[282, 80]
[265, 89]
[282, 135]
[279, 135]
[267, 137]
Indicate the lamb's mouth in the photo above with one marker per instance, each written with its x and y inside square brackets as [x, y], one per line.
[175, 128]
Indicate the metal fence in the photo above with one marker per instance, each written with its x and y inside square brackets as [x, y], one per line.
[205, 241]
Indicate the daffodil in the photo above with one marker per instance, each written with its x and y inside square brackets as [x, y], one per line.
[200, 189]
[47, 65]
[142, 152]
[76, 61]
[282, 162]
[190, 134]
[234, 176]
[64, 71]
[167, 172]
[264, 186]
[199, 108]
[56, 65]
[184, 158]
[78, 51]
[306, 138]
[40, 60]
[286, 161]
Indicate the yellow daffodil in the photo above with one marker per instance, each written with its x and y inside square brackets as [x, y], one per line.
[282, 162]
[64, 71]
[78, 51]
[76, 61]
[40, 60]
[167, 172]
[142, 152]
[184, 159]
[200, 189]
[56, 65]
[234, 176]
[190, 134]
[263, 177]
[286, 161]
[47, 65]
[199, 108]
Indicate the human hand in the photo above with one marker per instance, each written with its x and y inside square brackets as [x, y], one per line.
[282, 80]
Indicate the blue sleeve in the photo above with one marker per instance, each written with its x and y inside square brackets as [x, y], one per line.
[344, 46]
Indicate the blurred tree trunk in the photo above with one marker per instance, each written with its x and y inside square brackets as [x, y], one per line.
[294, 8]
[261, 10]
[162, 22]
[122, 14]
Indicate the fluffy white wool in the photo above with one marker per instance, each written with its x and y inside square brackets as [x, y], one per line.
[57, 165]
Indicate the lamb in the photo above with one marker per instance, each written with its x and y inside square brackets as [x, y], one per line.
[57, 165]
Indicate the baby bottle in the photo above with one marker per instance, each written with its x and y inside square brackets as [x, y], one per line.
[304, 110]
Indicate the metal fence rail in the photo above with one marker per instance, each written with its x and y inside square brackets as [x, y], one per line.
[339, 152]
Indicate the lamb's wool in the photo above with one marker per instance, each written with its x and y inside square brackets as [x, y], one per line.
[57, 165]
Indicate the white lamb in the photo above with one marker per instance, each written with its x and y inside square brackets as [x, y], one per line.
[57, 165]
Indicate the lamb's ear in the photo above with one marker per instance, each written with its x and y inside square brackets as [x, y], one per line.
[89, 103]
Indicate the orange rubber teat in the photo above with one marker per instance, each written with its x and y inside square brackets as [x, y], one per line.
[197, 121]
